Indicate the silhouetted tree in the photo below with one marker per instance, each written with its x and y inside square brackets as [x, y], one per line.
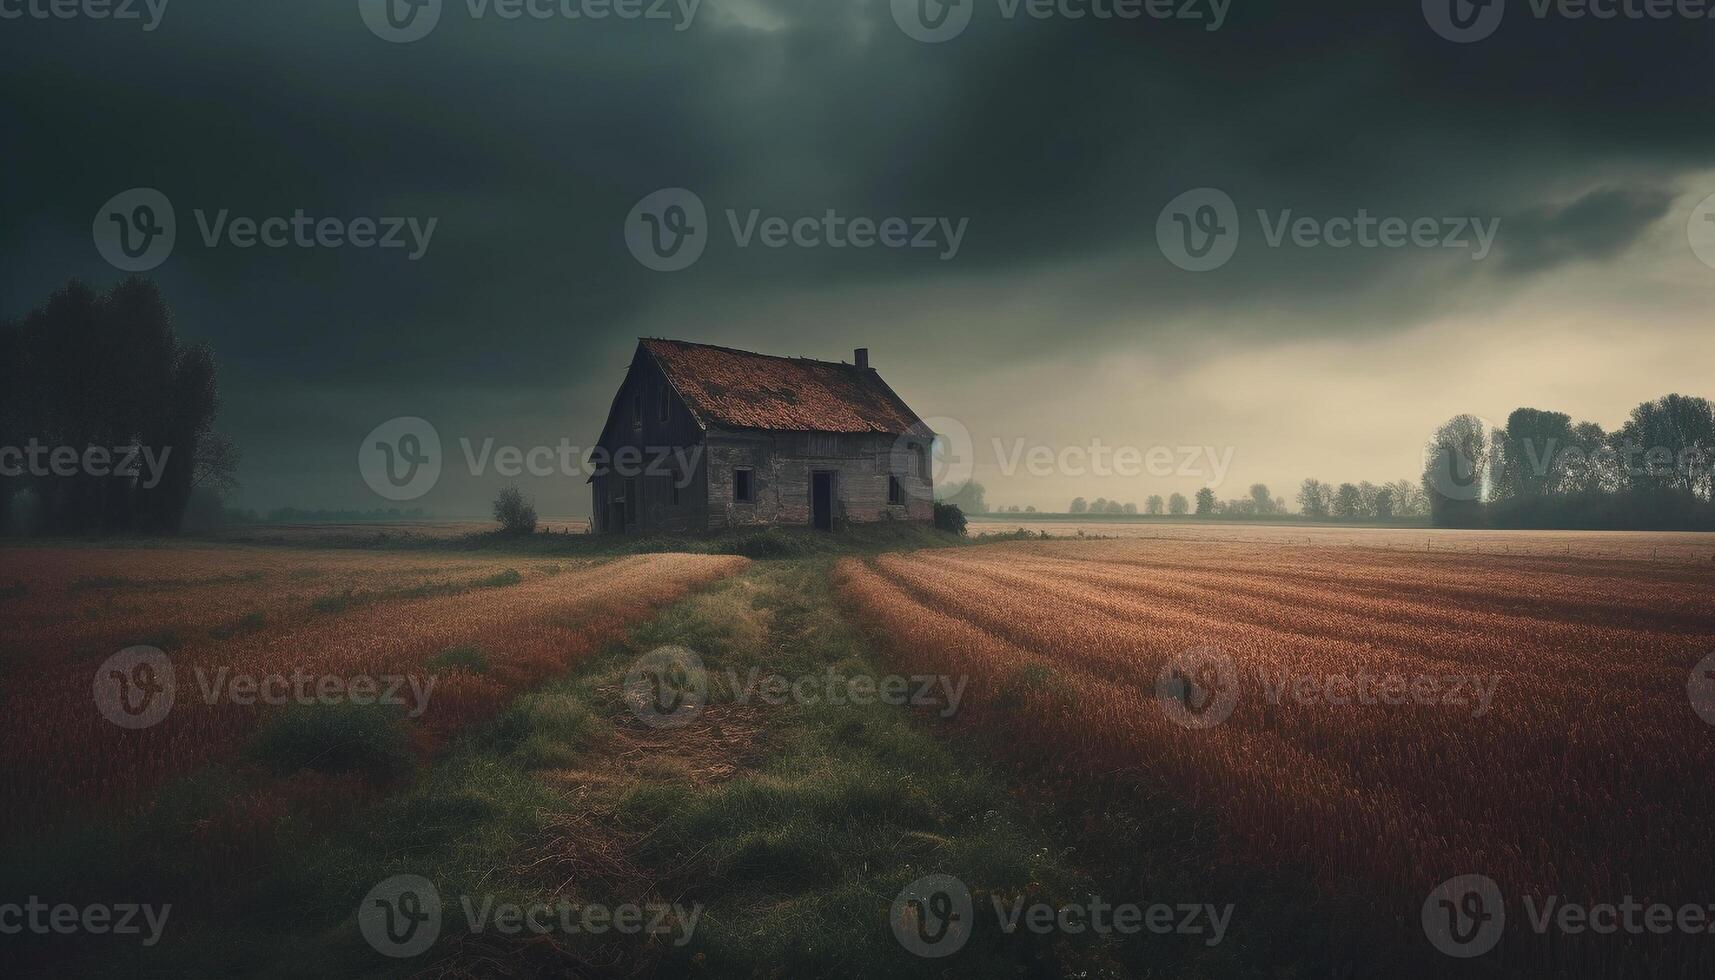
[95, 375]
[1177, 504]
[1205, 501]
[1078, 506]
[1455, 462]
[1153, 505]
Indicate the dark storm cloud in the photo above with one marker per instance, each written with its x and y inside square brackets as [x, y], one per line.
[1058, 141]
[1598, 225]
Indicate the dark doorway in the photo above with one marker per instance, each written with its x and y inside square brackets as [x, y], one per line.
[822, 501]
[616, 517]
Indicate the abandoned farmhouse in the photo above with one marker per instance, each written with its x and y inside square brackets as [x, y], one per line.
[702, 437]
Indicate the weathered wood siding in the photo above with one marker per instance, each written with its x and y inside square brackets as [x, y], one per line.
[781, 464]
[668, 450]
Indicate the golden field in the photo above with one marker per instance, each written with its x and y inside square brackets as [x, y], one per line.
[1587, 775]
[261, 612]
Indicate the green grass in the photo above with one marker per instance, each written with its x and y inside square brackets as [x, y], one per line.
[341, 737]
[460, 658]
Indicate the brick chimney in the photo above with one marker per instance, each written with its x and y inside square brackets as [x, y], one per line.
[861, 357]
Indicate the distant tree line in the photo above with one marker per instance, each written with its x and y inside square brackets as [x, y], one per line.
[1542, 470]
[1363, 501]
[299, 515]
[105, 415]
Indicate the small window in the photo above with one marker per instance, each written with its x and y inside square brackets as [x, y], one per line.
[661, 405]
[895, 492]
[741, 486]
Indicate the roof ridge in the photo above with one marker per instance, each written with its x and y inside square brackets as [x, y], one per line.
[747, 353]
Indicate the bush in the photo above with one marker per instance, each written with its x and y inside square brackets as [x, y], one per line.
[345, 737]
[948, 517]
[515, 512]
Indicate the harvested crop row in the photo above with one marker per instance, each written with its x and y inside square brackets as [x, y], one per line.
[56, 748]
[1584, 777]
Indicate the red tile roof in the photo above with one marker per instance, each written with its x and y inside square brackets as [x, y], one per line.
[741, 390]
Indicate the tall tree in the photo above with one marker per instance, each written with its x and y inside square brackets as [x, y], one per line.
[1454, 467]
[1205, 501]
[95, 374]
[1153, 505]
[1262, 498]
[1314, 498]
[1348, 502]
[1177, 504]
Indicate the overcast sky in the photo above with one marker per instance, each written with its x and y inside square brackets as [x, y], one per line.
[1050, 307]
